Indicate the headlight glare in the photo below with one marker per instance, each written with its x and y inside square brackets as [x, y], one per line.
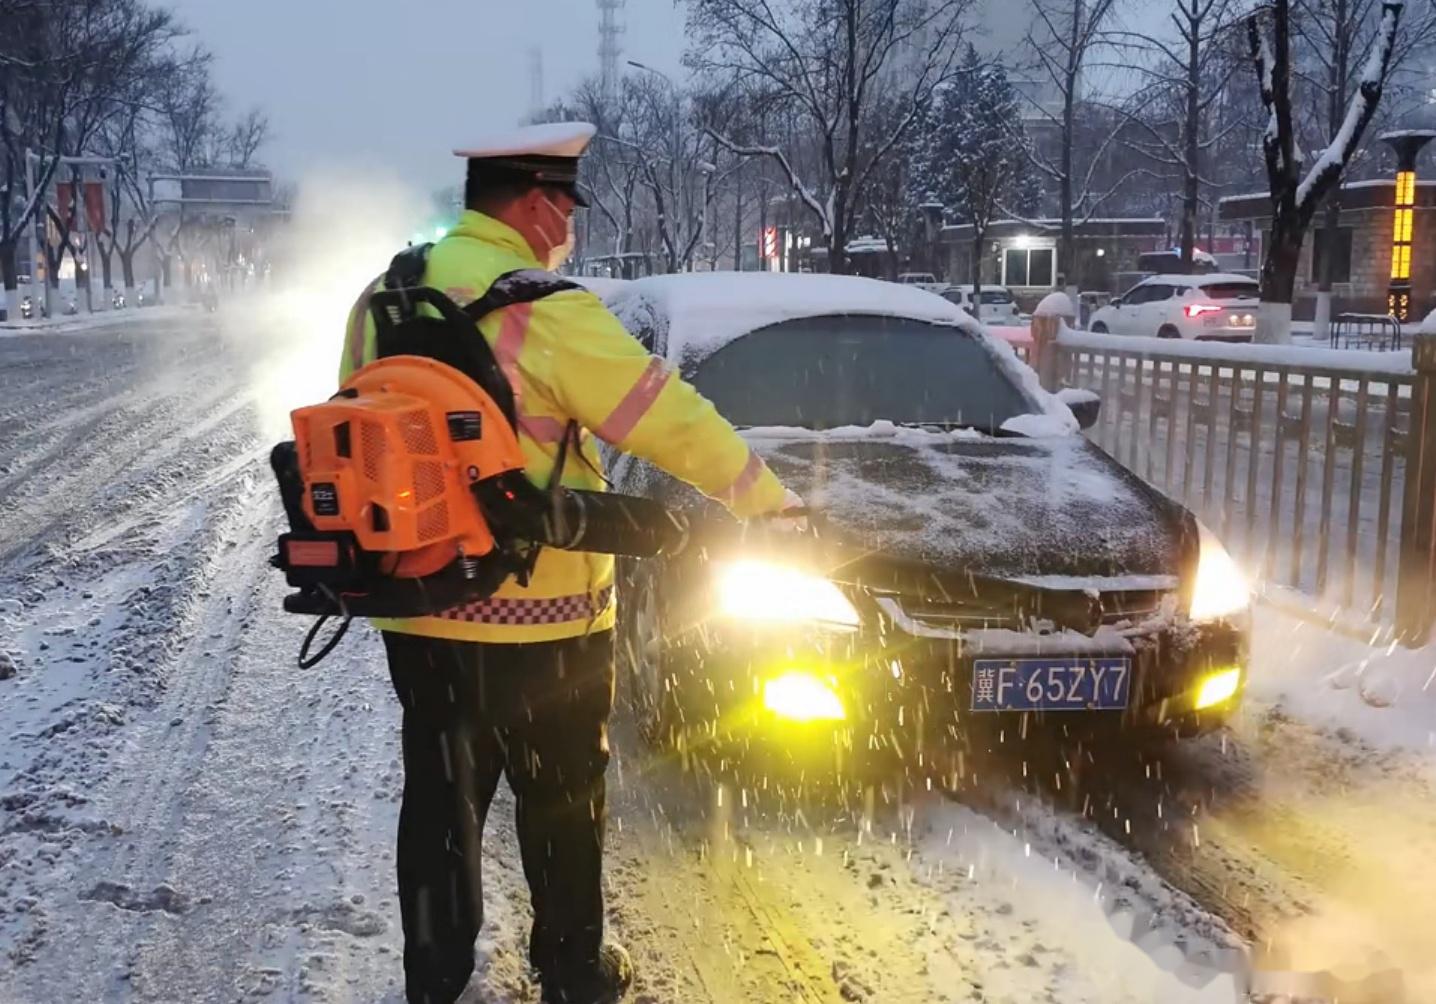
[759, 591]
[802, 697]
[1221, 589]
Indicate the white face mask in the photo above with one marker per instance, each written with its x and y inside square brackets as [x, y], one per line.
[559, 250]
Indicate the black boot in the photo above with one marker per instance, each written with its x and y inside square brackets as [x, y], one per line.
[606, 983]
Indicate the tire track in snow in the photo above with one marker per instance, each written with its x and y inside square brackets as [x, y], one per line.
[160, 756]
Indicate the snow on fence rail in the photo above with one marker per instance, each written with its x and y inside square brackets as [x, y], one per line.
[1300, 458]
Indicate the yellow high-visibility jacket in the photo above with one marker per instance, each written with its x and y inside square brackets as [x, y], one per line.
[568, 358]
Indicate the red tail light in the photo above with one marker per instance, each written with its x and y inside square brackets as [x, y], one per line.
[1198, 309]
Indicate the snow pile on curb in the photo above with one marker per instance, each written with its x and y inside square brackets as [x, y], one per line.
[1385, 697]
[1249, 355]
[1055, 305]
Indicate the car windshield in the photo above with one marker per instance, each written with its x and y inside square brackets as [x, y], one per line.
[1230, 290]
[828, 372]
[998, 296]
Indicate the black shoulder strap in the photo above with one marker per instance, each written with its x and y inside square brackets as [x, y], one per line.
[520, 286]
[399, 330]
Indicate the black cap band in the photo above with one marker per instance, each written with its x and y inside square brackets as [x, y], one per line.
[494, 172]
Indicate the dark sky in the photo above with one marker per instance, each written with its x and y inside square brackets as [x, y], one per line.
[397, 84]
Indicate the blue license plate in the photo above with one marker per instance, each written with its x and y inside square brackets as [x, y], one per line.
[1056, 684]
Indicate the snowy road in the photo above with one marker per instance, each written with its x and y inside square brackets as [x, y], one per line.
[186, 817]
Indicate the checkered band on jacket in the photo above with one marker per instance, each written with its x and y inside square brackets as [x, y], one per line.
[556, 610]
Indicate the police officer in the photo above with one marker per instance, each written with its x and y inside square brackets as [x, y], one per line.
[521, 684]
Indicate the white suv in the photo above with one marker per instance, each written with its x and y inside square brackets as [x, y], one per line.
[998, 305]
[1215, 307]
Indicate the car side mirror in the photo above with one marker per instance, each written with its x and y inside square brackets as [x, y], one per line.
[1085, 405]
[1116, 301]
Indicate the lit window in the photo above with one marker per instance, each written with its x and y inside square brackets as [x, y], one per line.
[1029, 267]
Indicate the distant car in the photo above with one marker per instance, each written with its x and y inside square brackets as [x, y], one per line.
[1170, 262]
[917, 279]
[998, 304]
[1216, 307]
[980, 565]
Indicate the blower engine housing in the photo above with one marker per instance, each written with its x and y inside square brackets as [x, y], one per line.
[394, 456]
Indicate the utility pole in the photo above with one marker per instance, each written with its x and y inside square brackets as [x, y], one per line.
[37, 244]
[610, 45]
[536, 96]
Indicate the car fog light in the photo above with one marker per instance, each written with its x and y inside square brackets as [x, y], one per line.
[802, 697]
[1218, 687]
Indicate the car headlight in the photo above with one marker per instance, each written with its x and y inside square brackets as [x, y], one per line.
[1221, 590]
[759, 591]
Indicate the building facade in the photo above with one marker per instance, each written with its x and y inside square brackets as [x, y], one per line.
[1365, 229]
[1022, 255]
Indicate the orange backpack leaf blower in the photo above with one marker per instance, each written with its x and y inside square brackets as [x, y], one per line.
[405, 492]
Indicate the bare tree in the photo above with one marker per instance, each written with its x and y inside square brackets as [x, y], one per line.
[611, 170]
[828, 60]
[189, 132]
[1295, 196]
[1184, 83]
[1063, 39]
[1335, 33]
[247, 136]
[666, 149]
[63, 67]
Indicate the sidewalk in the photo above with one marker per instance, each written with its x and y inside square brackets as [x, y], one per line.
[1384, 696]
[87, 322]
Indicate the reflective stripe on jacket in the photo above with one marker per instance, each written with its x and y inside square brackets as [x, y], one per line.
[568, 359]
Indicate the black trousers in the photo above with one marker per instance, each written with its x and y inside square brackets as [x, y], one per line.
[538, 715]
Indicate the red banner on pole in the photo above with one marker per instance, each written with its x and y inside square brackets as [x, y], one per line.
[95, 206]
[64, 204]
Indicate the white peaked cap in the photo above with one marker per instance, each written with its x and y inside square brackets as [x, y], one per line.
[553, 139]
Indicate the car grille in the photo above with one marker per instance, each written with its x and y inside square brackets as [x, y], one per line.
[939, 618]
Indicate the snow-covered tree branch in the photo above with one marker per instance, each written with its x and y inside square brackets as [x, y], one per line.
[1295, 196]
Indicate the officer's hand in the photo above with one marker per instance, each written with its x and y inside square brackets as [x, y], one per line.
[793, 516]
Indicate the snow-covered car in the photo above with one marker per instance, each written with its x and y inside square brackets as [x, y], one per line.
[1215, 307]
[976, 560]
[998, 305]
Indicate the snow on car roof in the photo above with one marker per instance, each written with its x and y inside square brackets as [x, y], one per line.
[704, 311]
[1205, 279]
[696, 314]
[600, 286]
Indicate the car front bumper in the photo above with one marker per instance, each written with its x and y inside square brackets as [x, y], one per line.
[904, 690]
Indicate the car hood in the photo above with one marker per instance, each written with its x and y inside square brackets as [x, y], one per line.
[1007, 507]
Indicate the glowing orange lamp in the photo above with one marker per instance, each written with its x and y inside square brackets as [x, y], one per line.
[1406, 143]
